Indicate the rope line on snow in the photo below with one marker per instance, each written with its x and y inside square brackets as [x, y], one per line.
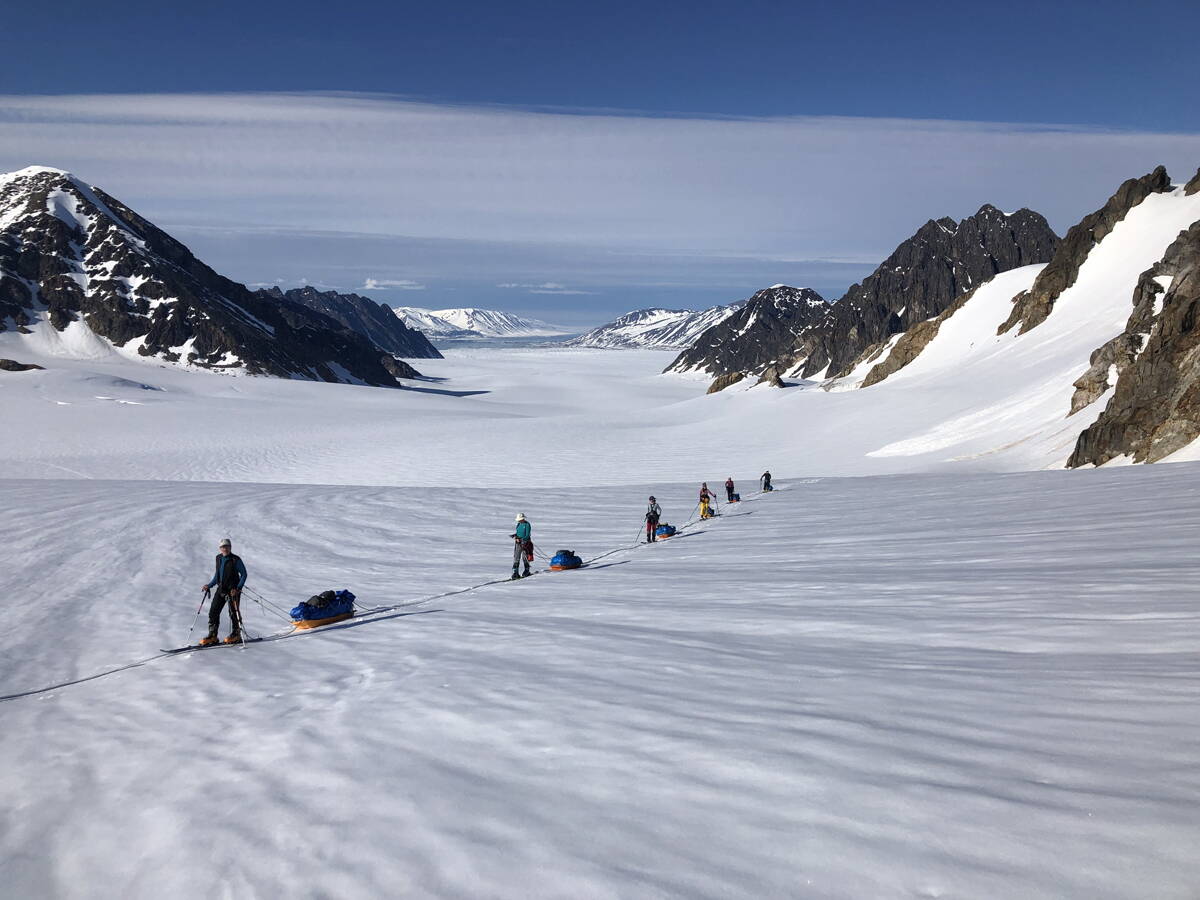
[358, 618]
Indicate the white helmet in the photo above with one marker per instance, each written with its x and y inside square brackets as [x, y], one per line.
[520, 517]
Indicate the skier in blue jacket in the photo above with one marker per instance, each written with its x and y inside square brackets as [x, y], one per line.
[522, 545]
[228, 579]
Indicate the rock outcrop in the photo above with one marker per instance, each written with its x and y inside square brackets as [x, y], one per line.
[75, 256]
[756, 334]
[723, 381]
[1155, 407]
[772, 377]
[1030, 308]
[11, 365]
[375, 321]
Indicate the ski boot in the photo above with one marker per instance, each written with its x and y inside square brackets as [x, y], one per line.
[235, 637]
[527, 574]
[209, 639]
[515, 576]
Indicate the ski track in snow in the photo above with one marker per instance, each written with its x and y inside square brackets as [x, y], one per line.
[887, 687]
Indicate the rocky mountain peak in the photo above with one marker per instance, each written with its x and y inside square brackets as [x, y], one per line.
[71, 255]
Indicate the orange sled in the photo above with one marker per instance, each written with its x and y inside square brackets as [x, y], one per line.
[317, 623]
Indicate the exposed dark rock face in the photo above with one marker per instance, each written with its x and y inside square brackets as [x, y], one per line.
[1192, 186]
[1030, 308]
[1155, 409]
[756, 335]
[398, 368]
[912, 342]
[11, 365]
[374, 320]
[723, 381]
[771, 376]
[925, 274]
[74, 254]
[919, 281]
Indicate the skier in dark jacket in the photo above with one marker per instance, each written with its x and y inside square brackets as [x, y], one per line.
[522, 545]
[228, 579]
[765, 480]
[729, 489]
[653, 516]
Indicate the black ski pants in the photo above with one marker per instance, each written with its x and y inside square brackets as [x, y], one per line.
[218, 604]
[652, 529]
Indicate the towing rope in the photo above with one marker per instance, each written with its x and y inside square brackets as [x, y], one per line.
[358, 618]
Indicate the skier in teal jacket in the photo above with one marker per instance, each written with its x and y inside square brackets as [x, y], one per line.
[522, 546]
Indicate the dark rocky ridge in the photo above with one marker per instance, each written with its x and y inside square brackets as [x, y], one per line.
[74, 253]
[1155, 409]
[370, 318]
[1030, 308]
[752, 338]
[920, 280]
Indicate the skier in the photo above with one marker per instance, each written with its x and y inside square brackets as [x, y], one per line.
[522, 546]
[729, 489]
[653, 515]
[228, 579]
[706, 498]
[765, 480]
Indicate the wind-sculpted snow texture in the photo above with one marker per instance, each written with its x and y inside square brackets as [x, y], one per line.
[751, 338]
[959, 686]
[369, 318]
[78, 263]
[654, 329]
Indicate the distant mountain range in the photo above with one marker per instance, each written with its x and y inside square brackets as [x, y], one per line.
[468, 323]
[654, 329]
[84, 275]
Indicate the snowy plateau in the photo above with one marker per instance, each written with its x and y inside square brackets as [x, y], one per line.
[932, 664]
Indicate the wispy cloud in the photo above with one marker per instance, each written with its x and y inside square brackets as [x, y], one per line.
[386, 284]
[546, 287]
[598, 200]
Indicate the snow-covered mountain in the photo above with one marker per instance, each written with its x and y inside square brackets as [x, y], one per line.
[923, 276]
[654, 329]
[748, 340]
[468, 322]
[82, 275]
[431, 325]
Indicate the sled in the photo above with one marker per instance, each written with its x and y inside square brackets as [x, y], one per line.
[563, 560]
[317, 623]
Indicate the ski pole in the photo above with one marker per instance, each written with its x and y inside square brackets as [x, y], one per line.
[196, 618]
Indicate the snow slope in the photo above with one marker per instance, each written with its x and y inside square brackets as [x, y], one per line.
[654, 329]
[956, 686]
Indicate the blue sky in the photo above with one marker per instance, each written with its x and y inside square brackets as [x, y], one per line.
[575, 161]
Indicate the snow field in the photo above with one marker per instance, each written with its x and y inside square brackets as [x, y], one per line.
[888, 687]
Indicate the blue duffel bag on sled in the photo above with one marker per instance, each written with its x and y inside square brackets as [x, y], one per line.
[565, 559]
[323, 608]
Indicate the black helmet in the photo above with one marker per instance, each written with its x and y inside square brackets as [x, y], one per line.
[651, 498]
